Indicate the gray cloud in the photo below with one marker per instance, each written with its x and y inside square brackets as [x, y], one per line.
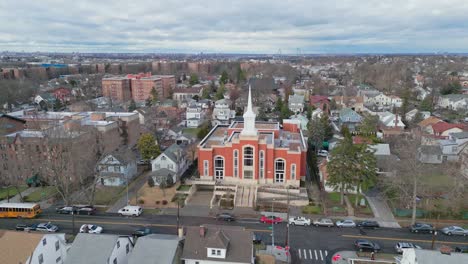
[255, 26]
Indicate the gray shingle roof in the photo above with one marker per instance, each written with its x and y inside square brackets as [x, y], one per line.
[238, 240]
[435, 257]
[91, 248]
[155, 248]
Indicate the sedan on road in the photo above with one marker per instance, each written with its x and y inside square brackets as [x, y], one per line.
[46, 227]
[271, 219]
[225, 217]
[66, 210]
[91, 229]
[86, 210]
[368, 224]
[403, 245]
[461, 249]
[300, 220]
[25, 227]
[366, 245]
[346, 223]
[422, 228]
[142, 232]
[454, 230]
[324, 222]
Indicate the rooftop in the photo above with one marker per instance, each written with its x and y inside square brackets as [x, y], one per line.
[154, 248]
[98, 248]
[17, 246]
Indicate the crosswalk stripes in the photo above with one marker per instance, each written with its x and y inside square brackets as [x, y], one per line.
[316, 254]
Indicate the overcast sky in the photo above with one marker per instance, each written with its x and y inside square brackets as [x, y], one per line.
[250, 26]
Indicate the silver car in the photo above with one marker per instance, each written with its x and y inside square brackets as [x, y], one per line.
[454, 230]
[345, 223]
[323, 222]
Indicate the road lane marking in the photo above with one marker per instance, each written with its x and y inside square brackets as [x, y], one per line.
[315, 252]
[310, 253]
[305, 254]
[321, 257]
[300, 256]
[407, 239]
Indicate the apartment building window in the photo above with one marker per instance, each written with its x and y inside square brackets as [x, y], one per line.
[236, 163]
[205, 168]
[127, 248]
[293, 171]
[262, 164]
[57, 245]
[118, 244]
[44, 242]
[40, 258]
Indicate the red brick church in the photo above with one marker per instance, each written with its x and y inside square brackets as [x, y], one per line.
[253, 152]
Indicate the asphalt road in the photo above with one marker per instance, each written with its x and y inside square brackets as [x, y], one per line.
[308, 244]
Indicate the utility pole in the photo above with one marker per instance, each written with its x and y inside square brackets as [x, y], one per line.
[287, 219]
[178, 216]
[272, 225]
[434, 233]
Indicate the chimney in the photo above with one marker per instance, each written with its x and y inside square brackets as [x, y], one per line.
[202, 231]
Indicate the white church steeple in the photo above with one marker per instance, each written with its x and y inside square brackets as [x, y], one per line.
[249, 119]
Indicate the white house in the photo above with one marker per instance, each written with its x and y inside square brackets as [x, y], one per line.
[411, 114]
[425, 256]
[388, 120]
[218, 244]
[222, 113]
[453, 101]
[116, 168]
[296, 103]
[99, 249]
[52, 248]
[395, 101]
[172, 162]
[194, 115]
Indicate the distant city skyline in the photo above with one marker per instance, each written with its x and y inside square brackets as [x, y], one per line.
[248, 27]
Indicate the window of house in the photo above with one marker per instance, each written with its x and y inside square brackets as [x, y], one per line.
[40, 258]
[44, 242]
[57, 245]
[279, 170]
[213, 252]
[293, 171]
[205, 168]
[262, 164]
[218, 252]
[236, 163]
[115, 261]
[127, 248]
[219, 168]
[163, 158]
[118, 244]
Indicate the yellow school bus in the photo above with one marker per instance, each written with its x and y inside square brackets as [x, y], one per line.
[19, 210]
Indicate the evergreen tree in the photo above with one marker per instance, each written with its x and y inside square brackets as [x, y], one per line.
[220, 92]
[426, 104]
[206, 93]
[147, 147]
[154, 96]
[327, 127]
[132, 106]
[224, 78]
[58, 105]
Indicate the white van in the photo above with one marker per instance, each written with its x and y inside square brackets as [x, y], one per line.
[130, 210]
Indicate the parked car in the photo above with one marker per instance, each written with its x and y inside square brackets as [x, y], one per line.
[225, 217]
[461, 249]
[86, 210]
[368, 224]
[299, 220]
[142, 232]
[91, 229]
[25, 227]
[402, 245]
[366, 245]
[46, 227]
[324, 222]
[257, 238]
[322, 153]
[454, 230]
[66, 210]
[422, 228]
[271, 219]
[345, 223]
[130, 210]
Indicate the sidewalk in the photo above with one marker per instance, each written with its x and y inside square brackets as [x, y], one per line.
[133, 188]
[382, 212]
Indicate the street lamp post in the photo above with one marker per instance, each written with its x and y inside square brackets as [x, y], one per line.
[272, 225]
[126, 179]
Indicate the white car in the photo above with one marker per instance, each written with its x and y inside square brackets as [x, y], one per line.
[299, 221]
[130, 210]
[345, 223]
[91, 229]
[322, 153]
[46, 227]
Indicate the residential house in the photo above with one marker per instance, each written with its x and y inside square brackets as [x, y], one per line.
[412, 114]
[181, 94]
[117, 168]
[62, 94]
[443, 150]
[425, 126]
[195, 115]
[222, 113]
[157, 248]
[356, 103]
[378, 100]
[10, 124]
[301, 119]
[17, 246]
[45, 100]
[320, 102]
[52, 248]
[349, 118]
[390, 124]
[99, 249]
[443, 129]
[426, 256]
[218, 244]
[453, 101]
[172, 162]
[296, 103]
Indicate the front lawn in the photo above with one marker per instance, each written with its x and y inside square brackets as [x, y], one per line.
[40, 194]
[106, 195]
[10, 191]
[312, 209]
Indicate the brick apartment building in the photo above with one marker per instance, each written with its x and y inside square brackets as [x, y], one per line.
[252, 152]
[84, 134]
[137, 86]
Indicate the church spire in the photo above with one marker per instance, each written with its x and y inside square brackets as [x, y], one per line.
[249, 119]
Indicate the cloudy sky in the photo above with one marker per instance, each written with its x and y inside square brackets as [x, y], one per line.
[235, 26]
